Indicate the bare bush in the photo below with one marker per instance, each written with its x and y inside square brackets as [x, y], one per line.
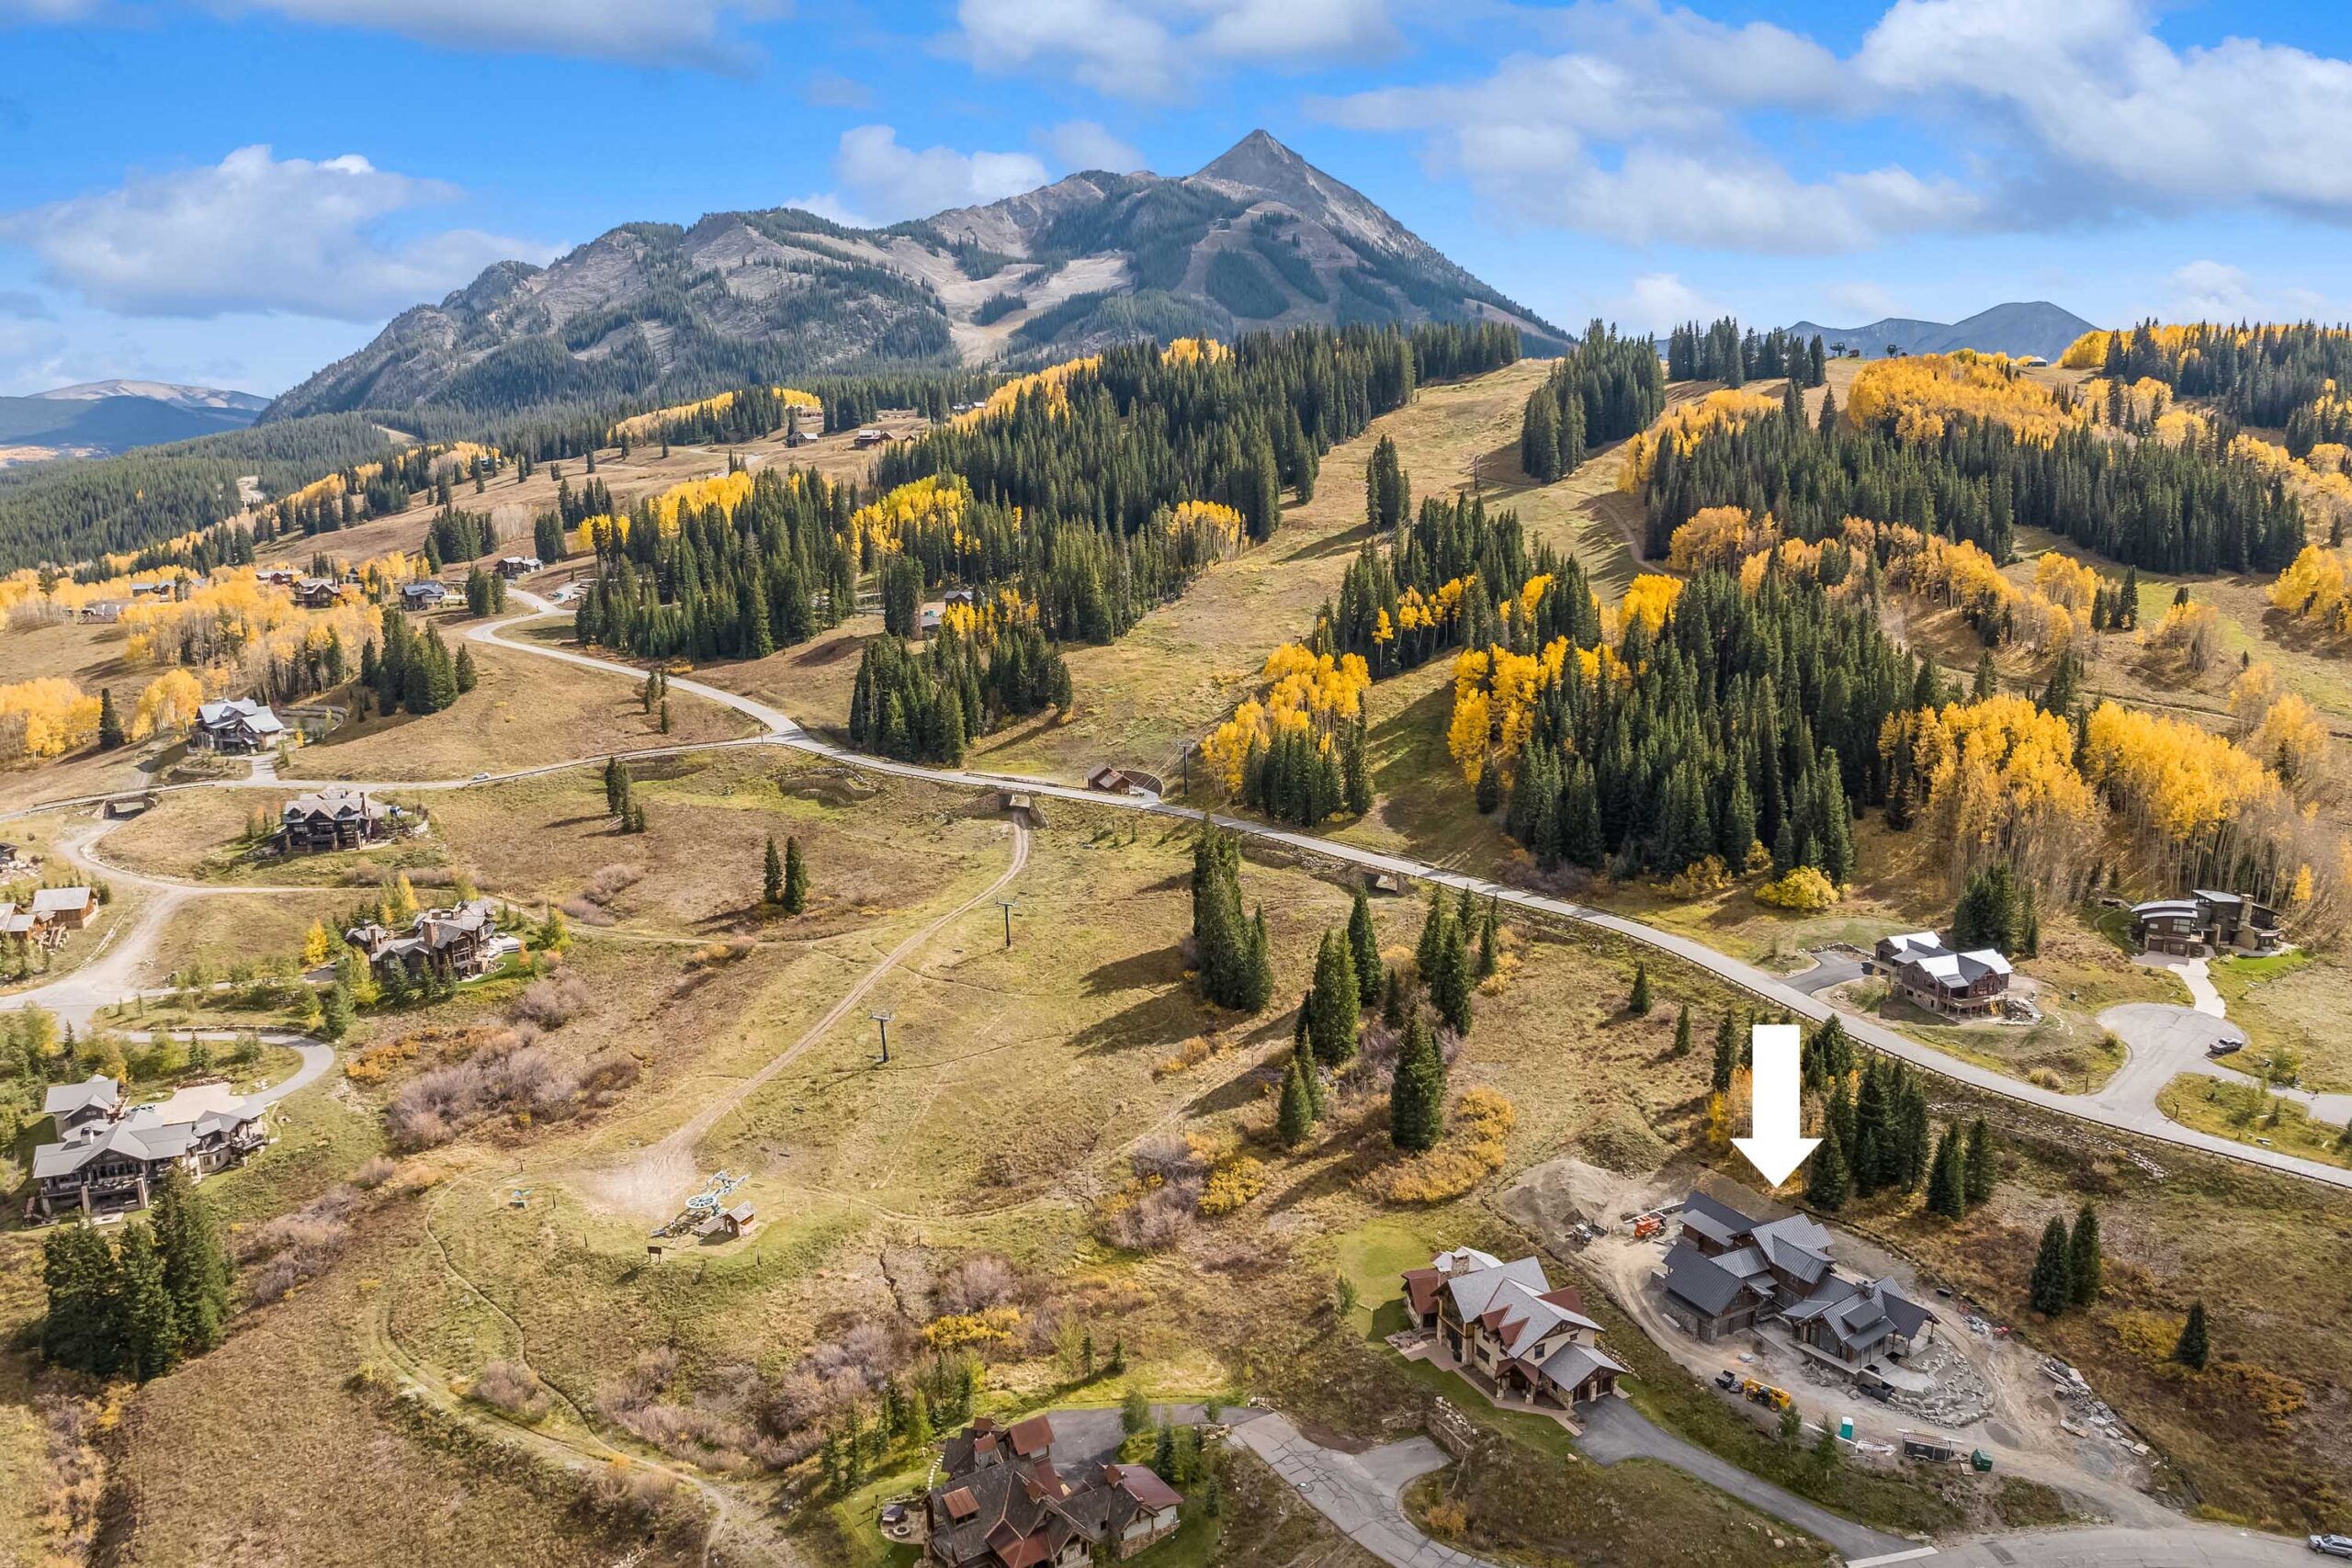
[553, 1002]
[832, 1375]
[586, 913]
[716, 1428]
[606, 1075]
[637, 1501]
[607, 883]
[296, 1248]
[1167, 1159]
[976, 1284]
[374, 1173]
[1160, 1218]
[513, 1388]
[508, 1077]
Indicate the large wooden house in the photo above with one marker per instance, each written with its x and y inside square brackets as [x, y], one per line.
[1005, 1504]
[1506, 1328]
[239, 726]
[1958, 985]
[455, 943]
[1728, 1272]
[335, 818]
[108, 1157]
[2206, 923]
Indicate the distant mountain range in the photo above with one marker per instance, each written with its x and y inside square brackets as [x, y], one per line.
[2034, 328]
[1259, 237]
[99, 418]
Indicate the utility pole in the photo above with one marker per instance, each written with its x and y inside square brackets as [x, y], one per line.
[882, 1021]
[1006, 905]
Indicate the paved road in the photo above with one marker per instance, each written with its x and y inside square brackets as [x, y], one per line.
[2165, 1041]
[1826, 974]
[1360, 1494]
[1092, 1433]
[2186, 1546]
[1614, 1431]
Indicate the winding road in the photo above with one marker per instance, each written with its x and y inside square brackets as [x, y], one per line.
[2135, 1115]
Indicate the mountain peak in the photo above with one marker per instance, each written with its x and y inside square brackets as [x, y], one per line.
[1260, 161]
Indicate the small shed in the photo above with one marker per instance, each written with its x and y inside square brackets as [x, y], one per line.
[731, 1224]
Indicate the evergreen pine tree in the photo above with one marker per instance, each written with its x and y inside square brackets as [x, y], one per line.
[1947, 1195]
[1450, 986]
[110, 736]
[149, 1326]
[2085, 1270]
[1392, 999]
[1488, 940]
[2192, 1350]
[1639, 1004]
[1297, 1117]
[1826, 1180]
[80, 1328]
[1260, 982]
[336, 1012]
[1417, 1092]
[796, 876]
[771, 875]
[1363, 949]
[196, 1260]
[1303, 1056]
[1977, 1168]
[2050, 1288]
[1682, 1030]
[1726, 1057]
[1334, 1005]
[1432, 937]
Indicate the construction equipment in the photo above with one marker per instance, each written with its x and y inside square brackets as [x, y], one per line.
[1765, 1394]
[1647, 1226]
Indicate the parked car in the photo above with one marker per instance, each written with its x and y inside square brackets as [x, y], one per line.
[2225, 1047]
[2333, 1545]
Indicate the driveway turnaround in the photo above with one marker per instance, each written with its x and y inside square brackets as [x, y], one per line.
[1360, 1493]
[1614, 1431]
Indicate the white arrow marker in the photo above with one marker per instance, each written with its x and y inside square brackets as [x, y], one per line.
[1776, 1149]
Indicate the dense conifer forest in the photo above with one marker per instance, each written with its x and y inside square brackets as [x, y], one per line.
[2184, 506]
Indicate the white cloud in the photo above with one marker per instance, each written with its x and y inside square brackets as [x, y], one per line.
[677, 32]
[1083, 144]
[2208, 290]
[1860, 302]
[889, 182]
[1292, 32]
[2138, 124]
[831, 90]
[1104, 44]
[1658, 301]
[2010, 115]
[254, 232]
[1150, 48]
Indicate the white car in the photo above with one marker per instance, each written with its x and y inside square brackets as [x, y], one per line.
[2332, 1545]
[478, 778]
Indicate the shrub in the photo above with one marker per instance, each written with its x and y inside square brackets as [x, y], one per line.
[513, 1388]
[976, 1284]
[553, 1002]
[992, 1325]
[374, 1173]
[1231, 1184]
[1803, 888]
[1476, 1140]
[607, 883]
[296, 1248]
[509, 1076]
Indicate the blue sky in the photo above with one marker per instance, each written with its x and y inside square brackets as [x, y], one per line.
[236, 193]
